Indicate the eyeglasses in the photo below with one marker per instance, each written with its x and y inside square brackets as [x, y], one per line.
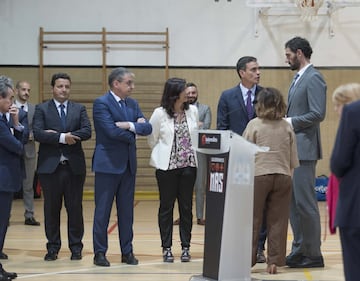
[128, 82]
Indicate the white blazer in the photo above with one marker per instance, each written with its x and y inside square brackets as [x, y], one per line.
[162, 136]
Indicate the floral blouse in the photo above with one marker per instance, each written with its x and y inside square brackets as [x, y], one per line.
[182, 153]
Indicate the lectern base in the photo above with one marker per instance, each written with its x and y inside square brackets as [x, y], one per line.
[202, 278]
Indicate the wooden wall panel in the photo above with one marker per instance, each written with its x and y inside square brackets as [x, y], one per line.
[211, 82]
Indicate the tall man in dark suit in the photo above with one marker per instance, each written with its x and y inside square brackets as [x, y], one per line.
[306, 109]
[11, 151]
[22, 89]
[117, 121]
[60, 126]
[236, 109]
[345, 164]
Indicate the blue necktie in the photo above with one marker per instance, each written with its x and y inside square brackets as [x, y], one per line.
[63, 116]
[249, 106]
[4, 117]
[123, 107]
[293, 82]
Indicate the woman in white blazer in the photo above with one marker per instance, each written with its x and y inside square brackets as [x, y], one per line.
[174, 158]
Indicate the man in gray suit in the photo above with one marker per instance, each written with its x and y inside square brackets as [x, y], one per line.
[306, 109]
[22, 90]
[204, 124]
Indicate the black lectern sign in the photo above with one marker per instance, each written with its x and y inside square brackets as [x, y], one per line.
[215, 202]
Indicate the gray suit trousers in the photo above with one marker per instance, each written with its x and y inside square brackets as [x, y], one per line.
[304, 212]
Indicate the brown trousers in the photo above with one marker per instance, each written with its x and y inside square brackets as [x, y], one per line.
[272, 194]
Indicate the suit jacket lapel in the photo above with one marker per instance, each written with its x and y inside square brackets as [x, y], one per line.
[31, 111]
[301, 79]
[69, 114]
[240, 100]
[116, 105]
[292, 89]
[54, 112]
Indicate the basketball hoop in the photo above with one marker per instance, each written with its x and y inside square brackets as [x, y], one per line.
[309, 8]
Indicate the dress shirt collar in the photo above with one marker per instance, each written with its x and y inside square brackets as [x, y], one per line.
[116, 97]
[301, 71]
[245, 90]
[65, 103]
[19, 104]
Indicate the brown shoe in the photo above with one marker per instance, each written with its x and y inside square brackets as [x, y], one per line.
[200, 221]
[176, 222]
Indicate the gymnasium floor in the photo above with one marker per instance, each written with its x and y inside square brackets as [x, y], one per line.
[25, 246]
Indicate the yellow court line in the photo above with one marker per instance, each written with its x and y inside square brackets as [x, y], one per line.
[307, 274]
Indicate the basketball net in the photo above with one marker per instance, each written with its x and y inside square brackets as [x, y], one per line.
[309, 8]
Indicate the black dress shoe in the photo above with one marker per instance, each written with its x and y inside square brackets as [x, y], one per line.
[51, 255]
[31, 221]
[260, 257]
[11, 275]
[293, 260]
[101, 260]
[4, 277]
[76, 256]
[200, 221]
[129, 259]
[309, 262]
[3, 256]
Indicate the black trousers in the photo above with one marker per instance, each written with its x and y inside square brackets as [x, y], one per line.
[6, 199]
[350, 243]
[175, 184]
[63, 184]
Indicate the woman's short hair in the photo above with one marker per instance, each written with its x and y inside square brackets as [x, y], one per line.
[270, 104]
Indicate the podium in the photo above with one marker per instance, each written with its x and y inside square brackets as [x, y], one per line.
[229, 205]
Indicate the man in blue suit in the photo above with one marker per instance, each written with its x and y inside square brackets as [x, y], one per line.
[117, 121]
[11, 169]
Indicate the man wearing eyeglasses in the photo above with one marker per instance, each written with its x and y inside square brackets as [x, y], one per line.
[117, 121]
[11, 152]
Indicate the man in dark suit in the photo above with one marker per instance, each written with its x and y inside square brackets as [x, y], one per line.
[117, 121]
[236, 109]
[11, 151]
[60, 126]
[22, 89]
[306, 109]
[345, 164]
